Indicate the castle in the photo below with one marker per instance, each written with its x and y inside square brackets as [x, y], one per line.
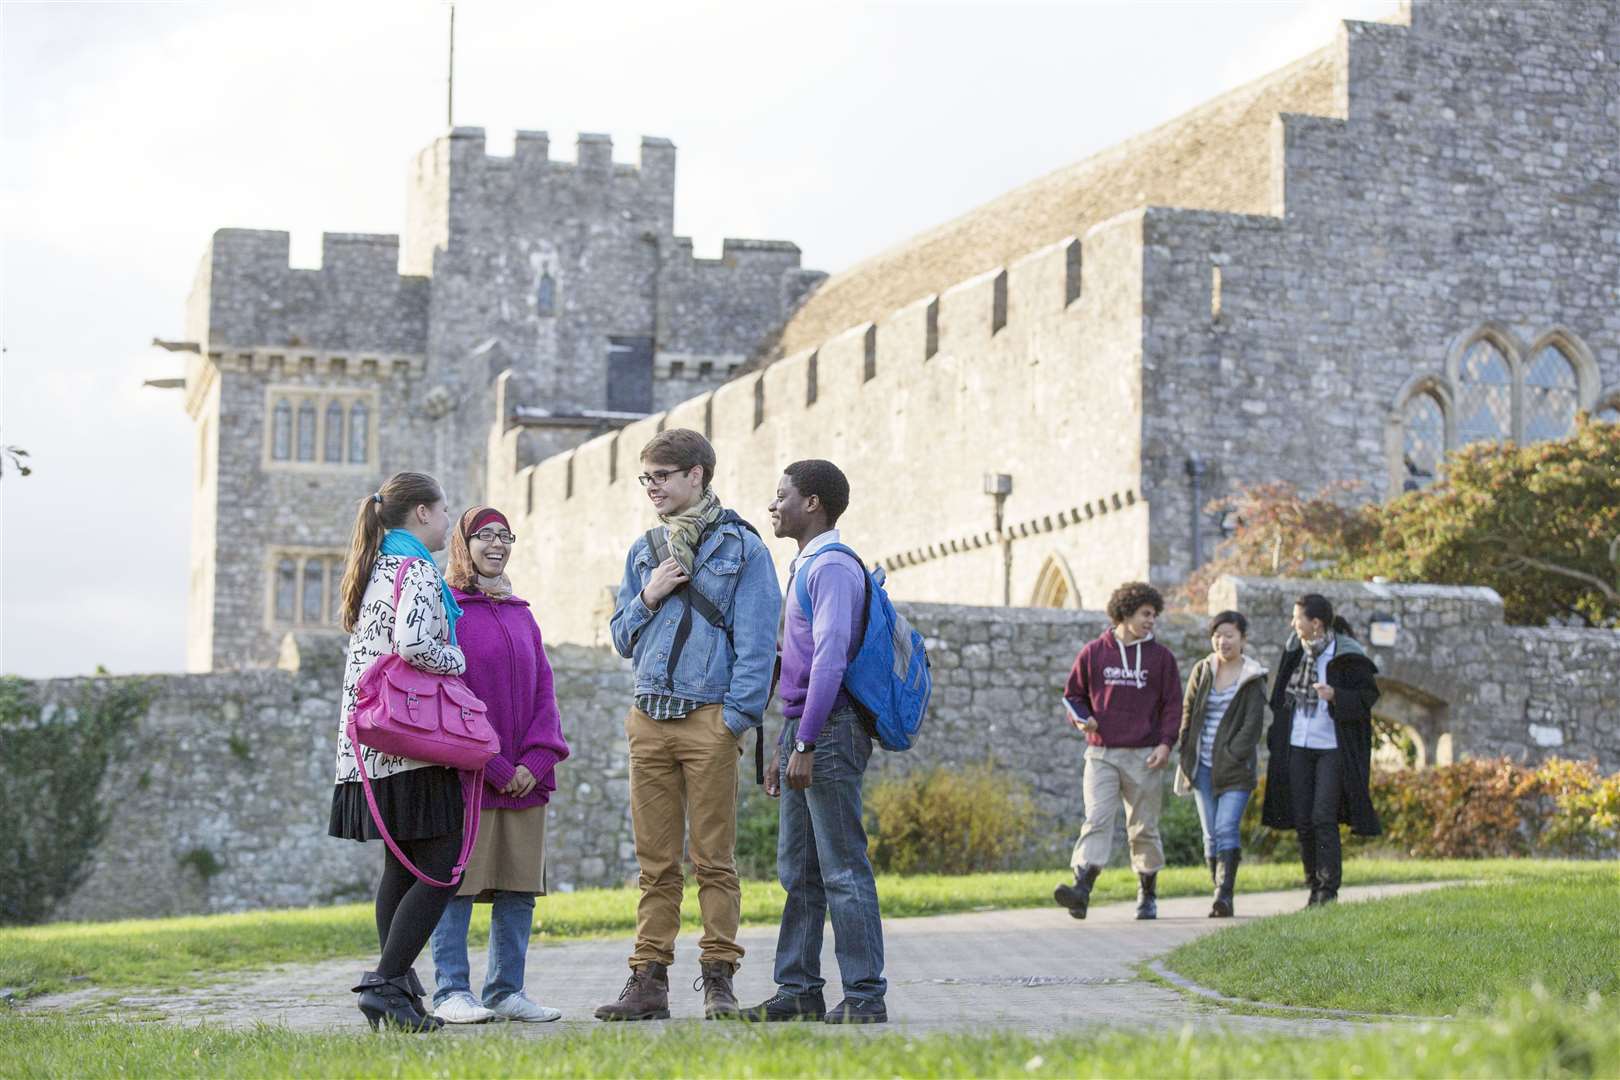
[1404, 242]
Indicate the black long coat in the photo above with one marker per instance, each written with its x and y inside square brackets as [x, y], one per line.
[1353, 677]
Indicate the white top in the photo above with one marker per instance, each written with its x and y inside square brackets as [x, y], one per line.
[829, 537]
[1314, 730]
[424, 643]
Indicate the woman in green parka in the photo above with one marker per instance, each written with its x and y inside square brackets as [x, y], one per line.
[1222, 717]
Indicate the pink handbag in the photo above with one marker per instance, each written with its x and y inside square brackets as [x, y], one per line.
[407, 712]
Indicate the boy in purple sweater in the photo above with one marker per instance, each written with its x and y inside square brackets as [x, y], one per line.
[821, 847]
[1124, 694]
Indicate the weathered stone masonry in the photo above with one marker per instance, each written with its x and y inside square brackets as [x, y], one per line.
[240, 765]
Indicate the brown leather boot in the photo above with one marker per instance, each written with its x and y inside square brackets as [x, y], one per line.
[645, 996]
[719, 1000]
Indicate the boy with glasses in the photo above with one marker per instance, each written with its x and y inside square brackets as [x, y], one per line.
[697, 612]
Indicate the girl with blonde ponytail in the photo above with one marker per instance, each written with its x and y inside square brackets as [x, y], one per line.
[399, 525]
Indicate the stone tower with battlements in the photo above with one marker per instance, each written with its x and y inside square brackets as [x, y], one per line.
[308, 387]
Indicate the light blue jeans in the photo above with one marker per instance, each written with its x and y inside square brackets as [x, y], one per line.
[821, 861]
[510, 922]
[1220, 815]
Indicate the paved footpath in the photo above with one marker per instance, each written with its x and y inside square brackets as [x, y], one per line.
[1034, 970]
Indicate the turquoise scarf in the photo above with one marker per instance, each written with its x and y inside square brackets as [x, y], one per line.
[401, 542]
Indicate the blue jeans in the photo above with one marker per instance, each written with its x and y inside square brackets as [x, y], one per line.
[821, 861]
[511, 920]
[1219, 815]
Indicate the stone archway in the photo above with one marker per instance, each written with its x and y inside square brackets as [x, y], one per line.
[1054, 585]
[1425, 718]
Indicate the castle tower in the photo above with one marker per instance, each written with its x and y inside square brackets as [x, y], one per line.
[309, 387]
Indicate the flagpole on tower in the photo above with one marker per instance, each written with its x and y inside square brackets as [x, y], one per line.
[450, 80]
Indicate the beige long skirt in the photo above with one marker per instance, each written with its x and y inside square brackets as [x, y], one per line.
[510, 855]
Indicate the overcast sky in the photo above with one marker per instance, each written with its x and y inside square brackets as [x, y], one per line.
[130, 131]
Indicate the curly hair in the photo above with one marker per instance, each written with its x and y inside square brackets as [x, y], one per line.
[1130, 598]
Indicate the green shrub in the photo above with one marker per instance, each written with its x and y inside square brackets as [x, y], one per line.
[1180, 832]
[756, 834]
[944, 821]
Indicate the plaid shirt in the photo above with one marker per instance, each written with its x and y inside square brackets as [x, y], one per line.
[659, 707]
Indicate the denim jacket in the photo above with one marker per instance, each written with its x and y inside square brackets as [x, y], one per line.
[731, 666]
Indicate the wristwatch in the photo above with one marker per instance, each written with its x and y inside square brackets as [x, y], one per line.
[802, 747]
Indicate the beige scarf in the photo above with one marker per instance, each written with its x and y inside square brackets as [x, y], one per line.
[686, 528]
[498, 587]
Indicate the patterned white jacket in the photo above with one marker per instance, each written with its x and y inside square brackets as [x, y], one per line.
[423, 635]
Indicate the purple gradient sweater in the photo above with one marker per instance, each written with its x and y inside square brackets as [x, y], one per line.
[508, 670]
[815, 657]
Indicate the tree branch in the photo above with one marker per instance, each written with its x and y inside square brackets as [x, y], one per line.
[1609, 592]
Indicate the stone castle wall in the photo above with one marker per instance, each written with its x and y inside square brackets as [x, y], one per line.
[239, 766]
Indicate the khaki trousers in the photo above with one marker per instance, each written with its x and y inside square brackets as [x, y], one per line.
[1116, 774]
[683, 773]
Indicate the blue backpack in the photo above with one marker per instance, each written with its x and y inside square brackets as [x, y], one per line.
[888, 677]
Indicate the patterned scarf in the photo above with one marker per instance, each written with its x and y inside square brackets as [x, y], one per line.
[1303, 689]
[686, 528]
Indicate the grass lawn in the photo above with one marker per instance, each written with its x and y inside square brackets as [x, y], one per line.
[1526, 1036]
[1428, 953]
[194, 950]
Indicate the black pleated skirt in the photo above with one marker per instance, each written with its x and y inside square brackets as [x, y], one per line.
[417, 804]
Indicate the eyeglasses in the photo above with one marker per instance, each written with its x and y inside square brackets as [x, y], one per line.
[489, 536]
[659, 477]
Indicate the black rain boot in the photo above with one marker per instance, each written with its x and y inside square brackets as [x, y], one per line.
[388, 1001]
[1226, 885]
[1077, 897]
[1147, 895]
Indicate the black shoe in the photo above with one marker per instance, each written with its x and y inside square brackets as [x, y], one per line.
[1328, 896]
[417, 993]
[1147, 895]
[1077, 897]
[857, 1011]
[388, 1002]
[785, 1006]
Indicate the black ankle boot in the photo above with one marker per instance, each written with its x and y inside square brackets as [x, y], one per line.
[1147, 895]
[1077, 897]
[1225, 884]
[417, 993]
[388, 1001]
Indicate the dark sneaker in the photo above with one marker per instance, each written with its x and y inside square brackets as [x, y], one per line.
[786, 1006]
[857, 1011]
[645, 996]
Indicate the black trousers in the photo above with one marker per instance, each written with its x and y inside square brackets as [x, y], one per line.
[1315, 783]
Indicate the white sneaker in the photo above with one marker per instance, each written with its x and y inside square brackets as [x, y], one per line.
[462, 1009]
[518, 1007]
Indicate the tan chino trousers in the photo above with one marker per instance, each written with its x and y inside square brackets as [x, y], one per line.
[683, 774]
[1115, 775]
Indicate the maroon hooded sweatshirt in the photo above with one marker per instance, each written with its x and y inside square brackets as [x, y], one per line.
[1134, 691]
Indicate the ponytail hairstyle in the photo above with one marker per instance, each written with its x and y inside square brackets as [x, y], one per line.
[386, 508]
[1317, 606]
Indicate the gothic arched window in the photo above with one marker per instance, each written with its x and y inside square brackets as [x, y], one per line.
[314, 590]
[334, 432]
[306, 431]
[1484, 394]
[546, 296]
[286, 590]
[1423, 441]
[1551, 395]
[281, 431]
[359, 432]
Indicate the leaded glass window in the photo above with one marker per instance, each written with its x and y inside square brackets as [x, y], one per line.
[286, 590]
[334, 432]
[1484, 395]
[281, 431]
[1423, 442]
[314, 589]
[306, 431]
[334, 587]
[359, 432]
[1551, 396]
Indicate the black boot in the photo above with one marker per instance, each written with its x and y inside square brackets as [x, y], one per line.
[418, 992]
[1225, 884]
[1077, 897]
[1307, 858]
[388, 1001]
[1147, 895]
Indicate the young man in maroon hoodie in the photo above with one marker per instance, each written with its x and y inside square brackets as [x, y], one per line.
[1124, 694]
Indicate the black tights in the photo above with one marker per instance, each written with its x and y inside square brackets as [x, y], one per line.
[408, 908]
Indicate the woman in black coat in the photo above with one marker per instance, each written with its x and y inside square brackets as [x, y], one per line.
[1320, 742]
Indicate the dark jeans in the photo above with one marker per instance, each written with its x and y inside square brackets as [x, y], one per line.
[1315, 784]
[821, 860]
